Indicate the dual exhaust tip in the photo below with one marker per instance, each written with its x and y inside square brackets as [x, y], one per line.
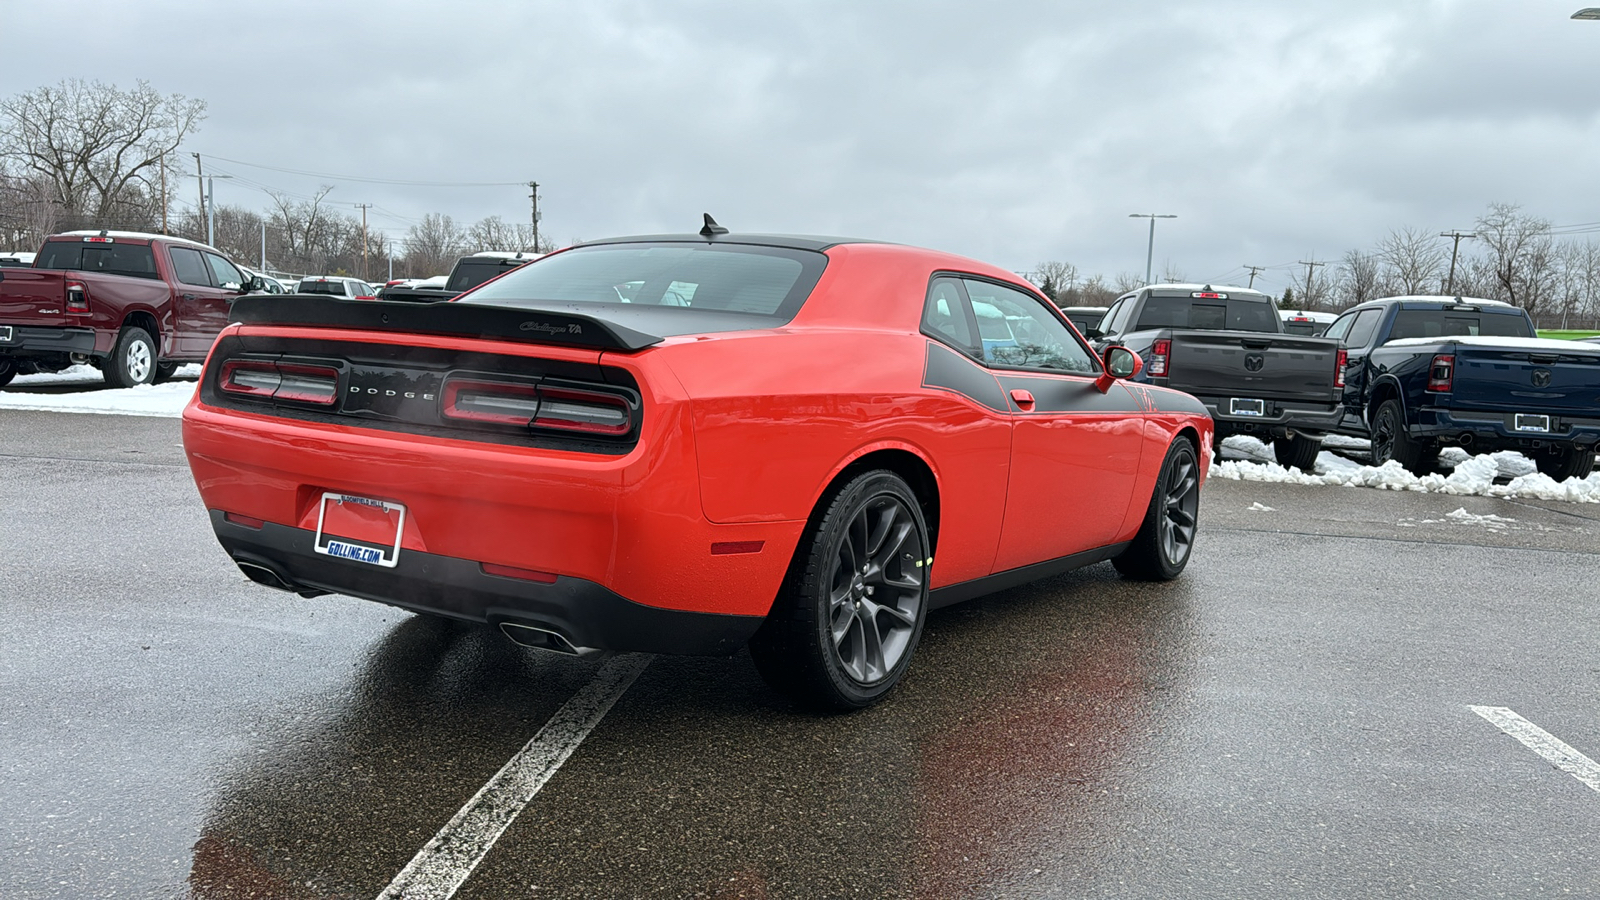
[523, 634]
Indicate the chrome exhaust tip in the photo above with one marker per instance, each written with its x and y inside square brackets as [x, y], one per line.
[539, 638]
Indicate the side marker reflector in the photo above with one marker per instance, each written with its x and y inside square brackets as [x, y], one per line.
[730, 548]
[514, 572]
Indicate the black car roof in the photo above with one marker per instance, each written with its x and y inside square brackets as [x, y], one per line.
[790, 241]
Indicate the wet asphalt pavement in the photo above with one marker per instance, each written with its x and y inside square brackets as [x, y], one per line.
[1288, 719]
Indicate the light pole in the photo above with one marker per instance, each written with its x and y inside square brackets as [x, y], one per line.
[211, 208]
[1150, 252]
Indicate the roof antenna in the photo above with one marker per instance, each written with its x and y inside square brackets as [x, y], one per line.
[711, 227]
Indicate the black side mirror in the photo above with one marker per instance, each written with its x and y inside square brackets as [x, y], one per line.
[1093, 334]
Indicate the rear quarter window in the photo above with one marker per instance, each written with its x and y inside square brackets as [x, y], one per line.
[1208, 315]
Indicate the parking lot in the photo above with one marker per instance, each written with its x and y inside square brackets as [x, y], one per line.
[1293, 717]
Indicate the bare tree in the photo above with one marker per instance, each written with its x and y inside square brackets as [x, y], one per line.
[495, 233]
[433, 244]
[1127, 281]
[1519, 253]
[1171, 274]
[1055, 280]
[99, 149]
[1413, 260]
[1357, 279]
[1093, 292]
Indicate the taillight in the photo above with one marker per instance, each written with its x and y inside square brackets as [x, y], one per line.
[1159, 352]
[1338, 372]
[492, 402]
[536, 406]
[77, 298]
[270, 380]
[1441, 373]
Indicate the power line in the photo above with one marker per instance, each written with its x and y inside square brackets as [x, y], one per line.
[1254, 271]
[1311, 266]
[1455, 246]
[365, 180]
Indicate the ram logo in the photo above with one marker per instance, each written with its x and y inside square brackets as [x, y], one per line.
[1541, 377]
[1254, 362]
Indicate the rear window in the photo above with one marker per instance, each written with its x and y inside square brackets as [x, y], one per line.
[469, 273]
[334, 288]
[1427, 323]
[1208, 315]
[757, 281]
[135, 260]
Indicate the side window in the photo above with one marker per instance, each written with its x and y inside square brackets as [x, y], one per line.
[944, 316]
[226, 275]
[1018, 332]
[1365, 324]
[1340, 326]
[1106, 320]
[1124, 314]
[188, 267]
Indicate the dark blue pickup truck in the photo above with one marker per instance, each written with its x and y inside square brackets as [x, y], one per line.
[1425, 373]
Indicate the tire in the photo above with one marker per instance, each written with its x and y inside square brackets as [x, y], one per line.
[1161, 549]
[164, 372]
[8, 370]
[133, 359]
[1390, 441]
[829, 643]
[1299, 452]
[1570, 462]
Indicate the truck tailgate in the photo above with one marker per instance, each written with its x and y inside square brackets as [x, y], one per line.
[33, 297]
[1252, 364]
[1559, 380]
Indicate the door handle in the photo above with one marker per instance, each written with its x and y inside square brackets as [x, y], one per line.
[186, 296]
[1022, 398]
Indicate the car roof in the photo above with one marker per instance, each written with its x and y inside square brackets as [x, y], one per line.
[789, 241]
[1434, 299]
[136, 235]
[1175, 287]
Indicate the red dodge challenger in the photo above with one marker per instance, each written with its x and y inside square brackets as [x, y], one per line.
[692, 443]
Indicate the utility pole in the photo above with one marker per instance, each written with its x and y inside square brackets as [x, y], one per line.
[534, 196]
[365, 268]
[200, 181]
[211, 212]
[1311, 266]
[1450, 288]
[163, 193]
[263, 247]
[1254, 271]
[1150, 252]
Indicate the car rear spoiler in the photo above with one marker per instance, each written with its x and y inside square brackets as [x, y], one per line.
[529, 326]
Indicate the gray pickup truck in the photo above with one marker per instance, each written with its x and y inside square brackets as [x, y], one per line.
[1227, 347]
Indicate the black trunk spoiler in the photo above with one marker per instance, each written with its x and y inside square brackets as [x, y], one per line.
[529, 326]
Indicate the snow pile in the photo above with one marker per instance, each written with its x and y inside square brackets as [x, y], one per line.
[1472, 475]
[1258, 506]
[166, 400]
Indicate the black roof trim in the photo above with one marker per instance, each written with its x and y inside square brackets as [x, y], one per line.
[790, 241]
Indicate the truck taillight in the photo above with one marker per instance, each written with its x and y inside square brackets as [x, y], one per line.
[268, 380]
[542, 406]
[1159, 353]
[77, 298]
[1339, 367]
[1441, 373]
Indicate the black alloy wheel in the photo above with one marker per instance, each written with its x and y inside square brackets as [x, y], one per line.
[1390, 441]
[852, 608]
[1161, 549]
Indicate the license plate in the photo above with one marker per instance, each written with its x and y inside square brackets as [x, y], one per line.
[1240, 407]
[1529, 422]
[5, 333]
[360, 529]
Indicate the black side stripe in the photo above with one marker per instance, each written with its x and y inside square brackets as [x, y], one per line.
[1071, 395]
[950, 371]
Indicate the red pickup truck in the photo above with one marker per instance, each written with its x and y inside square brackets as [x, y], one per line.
[134, 305]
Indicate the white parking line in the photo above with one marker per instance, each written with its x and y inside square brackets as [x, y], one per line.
[443, 865]
[1543, 743]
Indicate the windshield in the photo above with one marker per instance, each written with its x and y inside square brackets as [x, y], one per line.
[473, 271]
[759, 281]
[1208, 315]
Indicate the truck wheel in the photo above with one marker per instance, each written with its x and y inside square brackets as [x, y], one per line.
[165, 371]
[1569, 462]
[851, 610]
[1161, 549]
[133, 360]
[1299, 452]
[8, 370]
[1390, 441]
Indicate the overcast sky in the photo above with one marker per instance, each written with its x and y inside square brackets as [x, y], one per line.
[1014, 132]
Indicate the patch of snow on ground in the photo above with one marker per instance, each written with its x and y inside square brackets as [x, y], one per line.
[1346, 442]
[1258, 506]
[165, 400]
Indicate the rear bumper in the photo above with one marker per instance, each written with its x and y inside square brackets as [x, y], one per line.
[1497, 430]
[1280, 417]
[29, 339]
[585, 614]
